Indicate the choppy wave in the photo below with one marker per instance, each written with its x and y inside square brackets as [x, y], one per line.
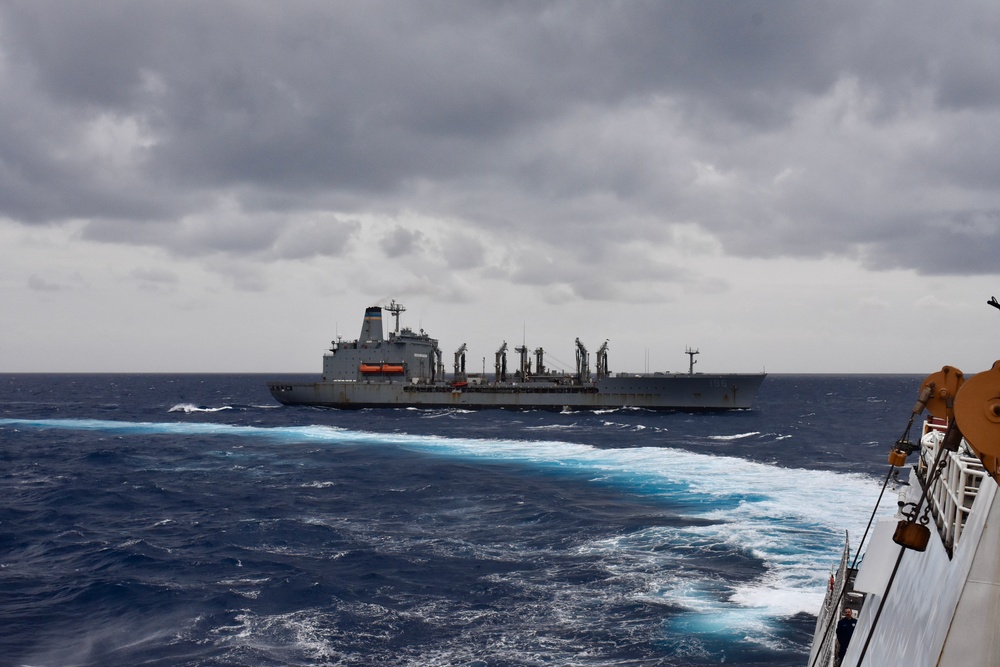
[785, 517]
[295, 536]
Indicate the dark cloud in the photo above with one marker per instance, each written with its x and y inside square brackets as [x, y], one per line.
[944, 243]
[780, 128]
[231, 233]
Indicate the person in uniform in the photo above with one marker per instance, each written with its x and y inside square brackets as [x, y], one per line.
[845, 629]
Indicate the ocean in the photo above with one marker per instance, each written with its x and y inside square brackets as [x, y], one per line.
[191, 520]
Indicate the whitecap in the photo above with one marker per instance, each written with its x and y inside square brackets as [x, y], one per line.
[738, 436]
[191, 407]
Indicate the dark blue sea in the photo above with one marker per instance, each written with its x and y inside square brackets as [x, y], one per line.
[190, 520]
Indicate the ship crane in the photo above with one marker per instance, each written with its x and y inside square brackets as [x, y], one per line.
[439, 365]
[582, 362]
[602, 361]
[539, 357]
[525, 369]
[460, 362]
[501, 363]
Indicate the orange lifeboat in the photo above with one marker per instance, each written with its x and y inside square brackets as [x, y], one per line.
[381, 369]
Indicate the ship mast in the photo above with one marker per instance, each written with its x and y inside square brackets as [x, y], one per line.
[395, 309]
[691, 354]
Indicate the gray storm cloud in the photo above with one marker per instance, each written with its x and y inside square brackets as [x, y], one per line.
[775, 128]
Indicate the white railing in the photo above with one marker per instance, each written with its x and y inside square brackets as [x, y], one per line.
[823, 652]
[951, 496]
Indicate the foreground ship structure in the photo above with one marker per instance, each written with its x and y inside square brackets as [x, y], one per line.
[928, 587]
[406, 369]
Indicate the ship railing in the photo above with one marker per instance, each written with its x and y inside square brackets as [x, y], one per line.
[952, 495]
[824, 645]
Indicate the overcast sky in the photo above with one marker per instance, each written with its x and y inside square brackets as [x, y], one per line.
[225, 186]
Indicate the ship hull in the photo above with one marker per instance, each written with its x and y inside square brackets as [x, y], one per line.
[689, 392]
[932, 602]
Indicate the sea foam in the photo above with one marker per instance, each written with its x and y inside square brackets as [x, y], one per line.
[786, 517]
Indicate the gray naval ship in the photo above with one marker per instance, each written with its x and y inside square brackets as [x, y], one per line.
[407, 370]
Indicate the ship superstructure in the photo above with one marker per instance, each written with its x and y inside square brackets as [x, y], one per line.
[406, 368]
